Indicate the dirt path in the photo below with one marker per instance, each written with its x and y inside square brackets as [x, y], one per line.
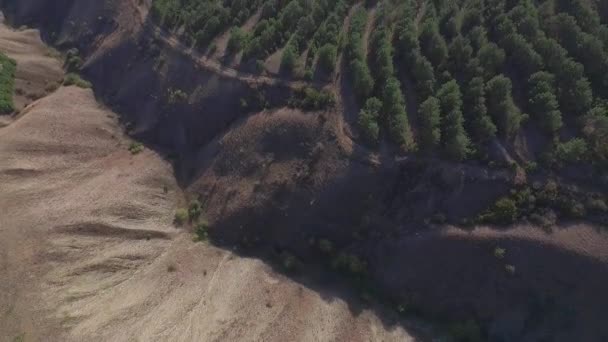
[217, 67]
[221, 42]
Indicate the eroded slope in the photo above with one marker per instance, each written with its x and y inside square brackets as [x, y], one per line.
[88, 250]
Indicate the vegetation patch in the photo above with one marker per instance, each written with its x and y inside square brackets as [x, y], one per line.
[181, 217]
[309, 98]
[136, 148]
[8, 67]
[75, 79]
[202, 231]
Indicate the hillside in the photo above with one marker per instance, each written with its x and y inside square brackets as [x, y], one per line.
[446, 160]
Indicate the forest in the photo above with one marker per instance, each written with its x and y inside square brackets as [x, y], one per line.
[439, 78]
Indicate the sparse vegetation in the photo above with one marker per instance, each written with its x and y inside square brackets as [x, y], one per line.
[504, 211]
[75, 79]
[510, 269]
[73, 62]
[500, 253]
[310, 98]
[181, 217]
[202, 231]
[194, 210]
[467, 331]
[7, 84]
[176, 96]
[289, 262]
[136, 148]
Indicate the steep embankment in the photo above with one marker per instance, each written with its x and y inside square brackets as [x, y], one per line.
[283, 181]
[88, 250]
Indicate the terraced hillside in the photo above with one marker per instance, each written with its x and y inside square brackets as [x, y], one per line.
[529, 74]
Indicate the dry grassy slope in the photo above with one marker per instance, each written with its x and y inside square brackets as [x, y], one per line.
[38, 72]
[88, 251]
[87, 245]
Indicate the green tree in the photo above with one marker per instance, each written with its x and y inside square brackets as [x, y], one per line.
[424, 75]
[500, 104]
[289, 58]
[328, 55]
[491, 59]
[237, 41]
[433, 44]
[368, 120]
[573, 150]
[460, 53]
[543, 101]
[455, 140]
[429, 121]
[362, 79]
[394, 109]
[475, 106]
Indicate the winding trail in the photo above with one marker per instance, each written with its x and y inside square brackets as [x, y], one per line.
[217, 67]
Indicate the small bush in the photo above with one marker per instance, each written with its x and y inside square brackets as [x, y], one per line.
[75, 79]
[597, 204]
[349, 263]
[468, 331]
[510, 269]
[202, 231]
[238, 40]
[136, 148]
[326, 246]
[195, 210]
[177, 96]
[504, 211]
[8, 67]
[500, 253]
[576, 209]
[73, 62]
[181, 217]
[289, 262]
[531, 167]
[545, 218]
[572, 151]
[310, 98]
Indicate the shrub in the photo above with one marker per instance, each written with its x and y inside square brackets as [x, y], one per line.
[177, 96]
[73, 62]
[500, 253]
[349, 263]
[136, 148]
[8, 67]
[75, 79]
[181, 217]
[326, 246]
[467, 331]
[328, 54]
[597, 204]
[202, 231]
[504, 211]
[310, 98]
[237, 41]
[510, 269]
[289, 58]
[572, 151]
[194, 210]
[289, 262]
